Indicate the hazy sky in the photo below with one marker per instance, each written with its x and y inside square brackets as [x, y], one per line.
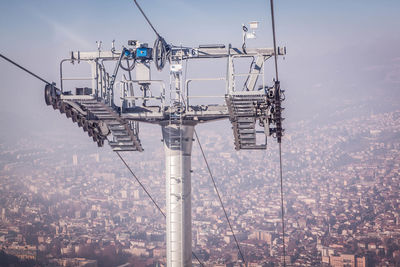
[338, 50]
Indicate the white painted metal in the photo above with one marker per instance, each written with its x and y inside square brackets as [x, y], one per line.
[142, 72]
[178, 148]
[174, 115]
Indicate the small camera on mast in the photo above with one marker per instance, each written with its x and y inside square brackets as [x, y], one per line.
[132, 42]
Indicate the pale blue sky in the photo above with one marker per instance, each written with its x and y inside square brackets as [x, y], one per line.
[336, 48]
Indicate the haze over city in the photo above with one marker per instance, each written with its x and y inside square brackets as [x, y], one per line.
[66, 202]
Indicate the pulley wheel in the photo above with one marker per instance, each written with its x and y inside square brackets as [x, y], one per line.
[80, 121]
[100, 142]
[85, 126]
[74, 116]
[62, 108]
[47, 94]
[56, 104]
[68, 113]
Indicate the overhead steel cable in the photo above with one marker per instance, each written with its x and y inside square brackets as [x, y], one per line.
[219, 196]
[274, 39]
[161, 48]
[146, 18]
[278, 96]
[24, 69]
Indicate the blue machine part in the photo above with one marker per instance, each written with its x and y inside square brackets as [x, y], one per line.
[143, 53]
[127, 53]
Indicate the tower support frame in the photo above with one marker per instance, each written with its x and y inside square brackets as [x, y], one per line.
[253, 111]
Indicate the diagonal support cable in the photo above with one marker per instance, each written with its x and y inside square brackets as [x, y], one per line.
[219, 196]
[141, 185]
[149, 195]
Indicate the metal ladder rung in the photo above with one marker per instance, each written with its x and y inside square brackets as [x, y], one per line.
[247, 136]
[123, 138]
[105, 117]
[114, 123]
[99, 111]
[245, 119]
[254, 147]
[118, 130]
[245, 131]
[247, 141]
[247, 126]
[120, 133]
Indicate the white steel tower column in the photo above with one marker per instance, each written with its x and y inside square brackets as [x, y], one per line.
[178, 148]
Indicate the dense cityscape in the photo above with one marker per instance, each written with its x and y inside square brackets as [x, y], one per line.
[67, 203]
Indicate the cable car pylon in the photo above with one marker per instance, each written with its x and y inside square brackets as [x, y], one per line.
[111, 109]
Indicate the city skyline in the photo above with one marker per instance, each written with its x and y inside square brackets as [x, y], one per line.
[339, 209]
